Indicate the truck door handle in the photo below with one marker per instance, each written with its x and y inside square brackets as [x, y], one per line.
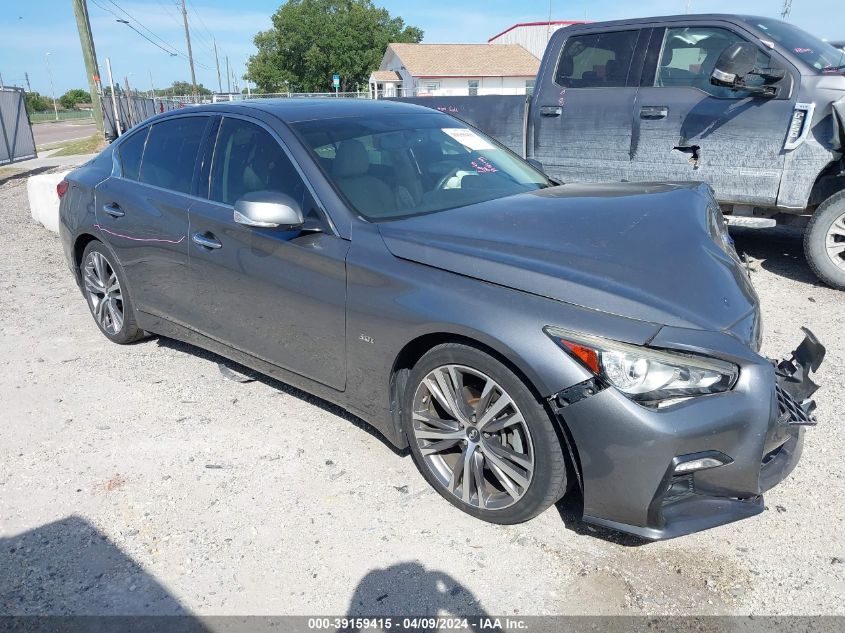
[206, 241]
[114, 210]
[654, 112]
[550, 110]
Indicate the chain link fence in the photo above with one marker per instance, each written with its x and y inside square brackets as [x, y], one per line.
[16, 141]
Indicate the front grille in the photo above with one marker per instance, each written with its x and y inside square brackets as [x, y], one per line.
[789, 411]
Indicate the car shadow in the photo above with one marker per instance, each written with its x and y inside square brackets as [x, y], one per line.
[779, 250]
[235, 371]
[70, 568]
[410, 588]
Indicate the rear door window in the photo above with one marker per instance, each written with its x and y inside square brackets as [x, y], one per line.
[596, 60]
[131, 151]
[171, 153]
[248, 159]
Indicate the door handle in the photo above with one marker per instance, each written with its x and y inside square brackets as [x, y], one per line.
[206, 241]
[654, 112]
[114, 210]
[551, 110]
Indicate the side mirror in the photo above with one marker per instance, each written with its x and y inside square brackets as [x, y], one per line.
[733, 65]
[268, 209]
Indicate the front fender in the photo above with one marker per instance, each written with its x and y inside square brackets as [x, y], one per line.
[392, 302]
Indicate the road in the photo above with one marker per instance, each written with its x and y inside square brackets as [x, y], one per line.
[137, 479]
[48, 133]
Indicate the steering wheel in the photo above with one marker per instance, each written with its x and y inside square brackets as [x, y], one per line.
[441, 184]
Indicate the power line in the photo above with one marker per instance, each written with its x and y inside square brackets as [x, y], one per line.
[168, 48]
[126, 22]
[134, 19]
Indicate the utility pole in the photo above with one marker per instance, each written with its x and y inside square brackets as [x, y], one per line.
[228, 77]
[83, 25]
[52, 89]
[190, 52]
[217, 61]
[152, 86]
[28, 87]
[787, 7]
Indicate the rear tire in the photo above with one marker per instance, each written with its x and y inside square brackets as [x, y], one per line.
[502, 435]
[107, 293]
[824, 241]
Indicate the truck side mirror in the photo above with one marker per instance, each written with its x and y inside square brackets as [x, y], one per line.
[737, 63]
[734, 64]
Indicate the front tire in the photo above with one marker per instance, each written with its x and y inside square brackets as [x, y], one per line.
[105, 289]
[824, 241]
[480, 437]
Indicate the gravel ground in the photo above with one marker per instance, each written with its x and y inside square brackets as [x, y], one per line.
[139, 480]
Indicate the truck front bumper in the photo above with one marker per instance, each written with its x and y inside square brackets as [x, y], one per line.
[628, 455]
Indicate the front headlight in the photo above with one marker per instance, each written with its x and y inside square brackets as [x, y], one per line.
[652, 377]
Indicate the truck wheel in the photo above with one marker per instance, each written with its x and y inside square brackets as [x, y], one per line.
[824, 241]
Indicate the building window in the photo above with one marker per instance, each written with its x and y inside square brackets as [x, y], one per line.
[529, 86]
[431, 86]
[472, 86]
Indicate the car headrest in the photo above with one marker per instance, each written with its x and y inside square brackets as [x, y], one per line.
[567, 67]
[351, 159]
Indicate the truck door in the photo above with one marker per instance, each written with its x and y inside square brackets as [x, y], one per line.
[685, 128]
[581, 114]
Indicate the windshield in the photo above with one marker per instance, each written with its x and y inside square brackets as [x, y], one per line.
[815, 52]
[395, 166]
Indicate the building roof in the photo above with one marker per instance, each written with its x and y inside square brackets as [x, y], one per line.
[385, 75]
[547, 23]
[466, 60]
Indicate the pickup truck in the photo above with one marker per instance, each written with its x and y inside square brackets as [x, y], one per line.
[754, 107]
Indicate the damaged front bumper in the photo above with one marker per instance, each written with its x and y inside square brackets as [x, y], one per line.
[735, 445]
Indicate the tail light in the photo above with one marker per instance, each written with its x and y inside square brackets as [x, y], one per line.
[61, 188]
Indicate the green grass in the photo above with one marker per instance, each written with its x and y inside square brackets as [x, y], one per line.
[89, 145]
[64, 115]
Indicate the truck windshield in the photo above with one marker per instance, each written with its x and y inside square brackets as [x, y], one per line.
[395, 166]
[815, 52]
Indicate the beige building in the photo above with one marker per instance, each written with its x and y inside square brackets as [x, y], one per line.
[454, 70]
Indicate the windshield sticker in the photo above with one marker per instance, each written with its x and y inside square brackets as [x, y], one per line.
[483, 166]
[803, 51]
[468, 138]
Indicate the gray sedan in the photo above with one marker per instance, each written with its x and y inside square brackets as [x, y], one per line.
[525, 339]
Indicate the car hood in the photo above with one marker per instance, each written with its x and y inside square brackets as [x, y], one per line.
[641, 251]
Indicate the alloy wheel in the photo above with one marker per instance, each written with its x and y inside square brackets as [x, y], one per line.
[473, 437]
[103, 291]
[835, 242]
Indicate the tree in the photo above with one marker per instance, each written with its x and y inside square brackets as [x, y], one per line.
[313, 39]
[181, 88]
[72, 97]
[36, 103]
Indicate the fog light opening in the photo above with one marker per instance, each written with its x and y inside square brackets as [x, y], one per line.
[700, 461]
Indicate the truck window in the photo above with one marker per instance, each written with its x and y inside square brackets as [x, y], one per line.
[596, 60]
[688, 57]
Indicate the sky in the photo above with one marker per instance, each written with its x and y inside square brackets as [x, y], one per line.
[30, 29]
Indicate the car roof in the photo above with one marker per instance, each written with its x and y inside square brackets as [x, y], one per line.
[685, 17]
[293, 110]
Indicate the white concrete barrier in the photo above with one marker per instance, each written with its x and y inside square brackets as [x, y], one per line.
[43, 199]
